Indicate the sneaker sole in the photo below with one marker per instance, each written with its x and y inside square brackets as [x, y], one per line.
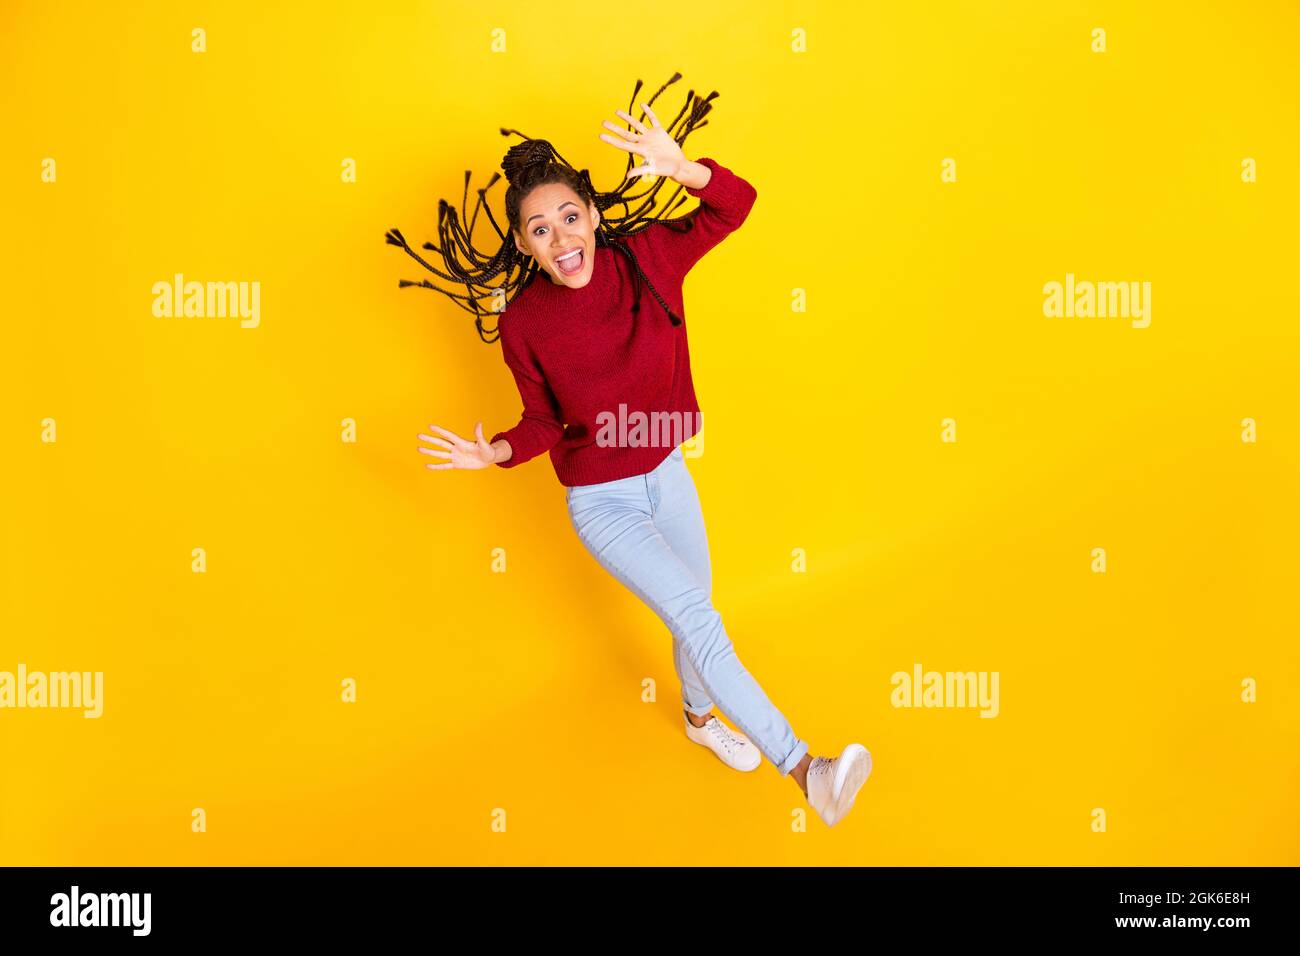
[853, 770]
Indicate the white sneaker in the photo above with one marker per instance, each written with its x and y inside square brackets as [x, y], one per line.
[733, 748]
[832, 784]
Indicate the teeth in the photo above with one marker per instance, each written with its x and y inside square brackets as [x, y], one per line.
[569, 264]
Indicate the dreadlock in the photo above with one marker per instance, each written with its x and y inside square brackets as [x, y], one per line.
[533, 163]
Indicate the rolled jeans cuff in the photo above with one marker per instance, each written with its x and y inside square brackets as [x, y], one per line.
[792, 761]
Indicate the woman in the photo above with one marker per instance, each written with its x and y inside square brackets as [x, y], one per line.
[583, 351]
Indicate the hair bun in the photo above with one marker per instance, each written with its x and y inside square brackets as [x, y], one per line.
[531, 152]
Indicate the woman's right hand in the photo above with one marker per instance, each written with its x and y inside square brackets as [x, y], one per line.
[461, 452]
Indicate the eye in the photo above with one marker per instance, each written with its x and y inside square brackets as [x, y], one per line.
[568, 218]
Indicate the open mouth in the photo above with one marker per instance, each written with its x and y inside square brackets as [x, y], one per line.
[570, 263]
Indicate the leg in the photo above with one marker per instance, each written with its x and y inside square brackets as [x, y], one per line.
[679, 518]
[615, 522]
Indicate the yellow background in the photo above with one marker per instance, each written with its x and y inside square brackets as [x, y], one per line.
[522, 690]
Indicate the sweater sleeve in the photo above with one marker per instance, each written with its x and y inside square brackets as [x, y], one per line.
[725, 202]
[539, 426]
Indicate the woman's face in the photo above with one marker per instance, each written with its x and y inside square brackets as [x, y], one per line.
[559, 230]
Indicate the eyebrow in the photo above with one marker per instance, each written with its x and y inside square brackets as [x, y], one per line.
[567, 202]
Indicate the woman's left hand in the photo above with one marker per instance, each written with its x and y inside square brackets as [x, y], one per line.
[663, 157]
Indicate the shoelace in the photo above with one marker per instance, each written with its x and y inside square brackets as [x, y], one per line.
[716, 728]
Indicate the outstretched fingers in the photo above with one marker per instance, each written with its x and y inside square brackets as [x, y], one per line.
[459, 442]
[624, 144]
[441, 443]
[628, 136]
[654, 120]
[636, 124]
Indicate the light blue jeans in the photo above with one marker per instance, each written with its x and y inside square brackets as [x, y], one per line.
[648, 532]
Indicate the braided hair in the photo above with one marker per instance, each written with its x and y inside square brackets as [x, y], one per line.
[527, 165]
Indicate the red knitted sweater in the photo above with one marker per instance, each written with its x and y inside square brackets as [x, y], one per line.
[586, 364]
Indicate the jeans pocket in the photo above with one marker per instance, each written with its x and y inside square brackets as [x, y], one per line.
[575, 496]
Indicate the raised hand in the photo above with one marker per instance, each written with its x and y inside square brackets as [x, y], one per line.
[663, 156]
[461, 452]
